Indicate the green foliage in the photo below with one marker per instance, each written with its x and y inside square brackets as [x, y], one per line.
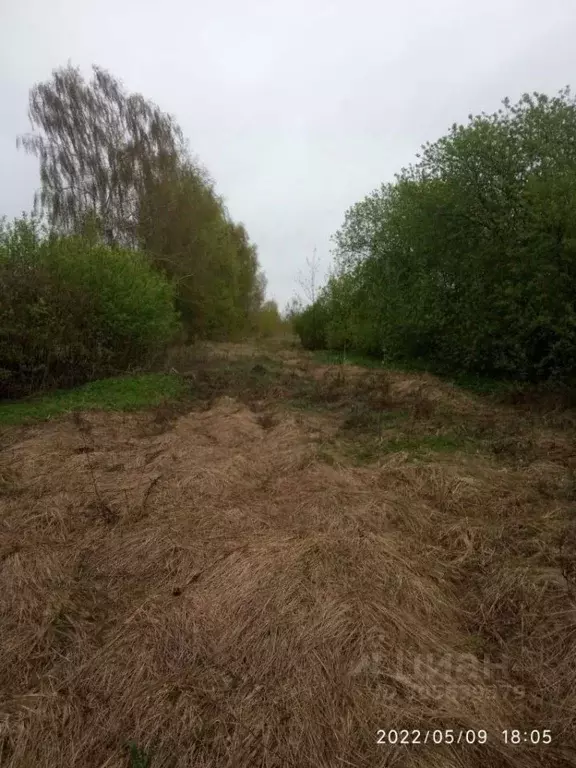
[115, 168]
[120, 393]
[268, 320]
[469, 259]
[311, 325]
[187, 231]
[72, 310]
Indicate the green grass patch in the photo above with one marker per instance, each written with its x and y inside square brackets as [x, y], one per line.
[480, 385]
[122, 393]
[366, 451]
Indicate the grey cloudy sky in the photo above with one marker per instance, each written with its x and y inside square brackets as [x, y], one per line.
[298, 109]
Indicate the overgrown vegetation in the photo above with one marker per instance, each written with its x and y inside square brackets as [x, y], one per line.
[269, 323]
[279, 556]
[130, 245]
[71, 310]
[468, 260]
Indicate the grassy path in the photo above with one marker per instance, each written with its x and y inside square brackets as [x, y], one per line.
[260, 559]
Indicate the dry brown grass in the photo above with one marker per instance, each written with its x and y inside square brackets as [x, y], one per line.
[205, 585]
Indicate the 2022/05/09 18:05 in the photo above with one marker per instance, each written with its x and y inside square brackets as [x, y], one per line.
[535, 736]
[513, 736]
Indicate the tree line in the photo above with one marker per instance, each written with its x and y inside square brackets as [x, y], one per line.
[129, 245]
[467, 260]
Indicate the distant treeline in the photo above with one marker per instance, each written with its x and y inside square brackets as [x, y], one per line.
[467, 260]
[129, 246]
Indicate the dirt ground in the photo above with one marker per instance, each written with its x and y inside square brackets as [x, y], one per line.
[293, 560]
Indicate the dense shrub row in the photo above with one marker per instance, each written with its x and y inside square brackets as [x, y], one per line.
[136, 245]
[468, 260]
[71, 310]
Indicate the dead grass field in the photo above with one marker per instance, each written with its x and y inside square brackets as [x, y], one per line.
[296, 557]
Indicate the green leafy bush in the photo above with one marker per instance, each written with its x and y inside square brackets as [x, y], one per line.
[468, 260]
[72, 310]
[311, 324]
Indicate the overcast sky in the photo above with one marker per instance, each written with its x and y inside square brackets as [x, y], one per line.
[298, 109]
